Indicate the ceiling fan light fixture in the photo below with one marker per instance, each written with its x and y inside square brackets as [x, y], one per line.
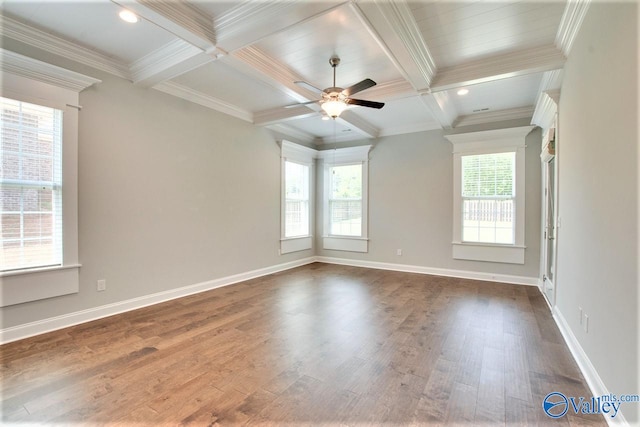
[333, 108]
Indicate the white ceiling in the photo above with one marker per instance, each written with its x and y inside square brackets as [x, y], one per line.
[243, 57]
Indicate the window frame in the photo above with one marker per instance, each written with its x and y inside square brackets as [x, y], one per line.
[345, 157]
[490, 142]
[295, 153]
[40, 83]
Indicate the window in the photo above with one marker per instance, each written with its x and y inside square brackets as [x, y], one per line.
[345, 198]
[297, 196]
[31, 185]
[296, 199]
[38, 179]
[489, 199]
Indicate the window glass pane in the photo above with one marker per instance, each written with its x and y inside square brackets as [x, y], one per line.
[346, 182]
[346, 217]
[296, 218]
[488, 175]
[488, 191]
[488, 221]
[30, 185]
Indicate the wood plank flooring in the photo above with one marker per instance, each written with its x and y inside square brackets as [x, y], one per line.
[317, 345]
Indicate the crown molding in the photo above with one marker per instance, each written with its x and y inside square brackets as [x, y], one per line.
[412, 128]
[286, 130]
[574, 13]
[494, 116]
[24, 66]
[518, 63]
[200, 98]
[496, 137]
[19, 31]
[546, 108]
[180, 18]
[392, 25]
[175, 58]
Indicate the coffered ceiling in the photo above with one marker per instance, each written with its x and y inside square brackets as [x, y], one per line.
[243, 57]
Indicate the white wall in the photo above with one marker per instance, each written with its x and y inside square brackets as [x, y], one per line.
[598, 195]
[170, 194]
[411, 204]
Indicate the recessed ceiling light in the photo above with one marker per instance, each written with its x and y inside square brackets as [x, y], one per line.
[325, 117]
[463, 92]
[128, 16]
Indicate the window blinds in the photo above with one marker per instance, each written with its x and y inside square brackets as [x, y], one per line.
[488, 193]
[296, 199]
[30, 185]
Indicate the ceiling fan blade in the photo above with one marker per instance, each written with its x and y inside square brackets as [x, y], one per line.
[299, 104]
[359, 87]
[364, 103]
[308, 86]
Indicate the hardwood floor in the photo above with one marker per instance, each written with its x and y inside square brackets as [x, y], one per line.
[317, 345]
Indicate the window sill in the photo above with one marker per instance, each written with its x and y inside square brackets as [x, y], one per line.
[295, 244]
[345, 243]
[508, 254]
[34, 284]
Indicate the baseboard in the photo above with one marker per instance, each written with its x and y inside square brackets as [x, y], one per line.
[54, 323]
[462, 274]
[595, 383]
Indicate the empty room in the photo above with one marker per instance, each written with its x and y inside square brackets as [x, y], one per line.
[319, 213]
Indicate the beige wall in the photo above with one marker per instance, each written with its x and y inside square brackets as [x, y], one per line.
[411, 204]
[598, 195]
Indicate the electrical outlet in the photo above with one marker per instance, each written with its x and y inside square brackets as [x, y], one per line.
[102, 285]
[399, 252]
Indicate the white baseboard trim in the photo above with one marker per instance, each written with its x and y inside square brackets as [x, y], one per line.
[59, 322]
[462, 274]
[595, 383]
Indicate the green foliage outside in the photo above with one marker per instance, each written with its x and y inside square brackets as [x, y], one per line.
[488, 175]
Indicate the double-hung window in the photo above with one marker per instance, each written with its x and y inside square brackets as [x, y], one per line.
[297, 197]
[489, 195]
[345, 198]
[30, 185]
[38, 179]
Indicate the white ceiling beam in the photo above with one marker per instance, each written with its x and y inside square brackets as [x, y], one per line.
[171, 60]
[279, 115]
[252, 21]
[522, 62]
[441, 108]
[358, 124]
[177, 17]
[280, 77]
[392, 25]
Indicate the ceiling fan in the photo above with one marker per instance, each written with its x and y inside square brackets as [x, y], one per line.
[336, 99]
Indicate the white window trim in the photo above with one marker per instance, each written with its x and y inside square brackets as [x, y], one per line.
[28, 80]
[342, 157]
[306, 156]
[486, 142]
